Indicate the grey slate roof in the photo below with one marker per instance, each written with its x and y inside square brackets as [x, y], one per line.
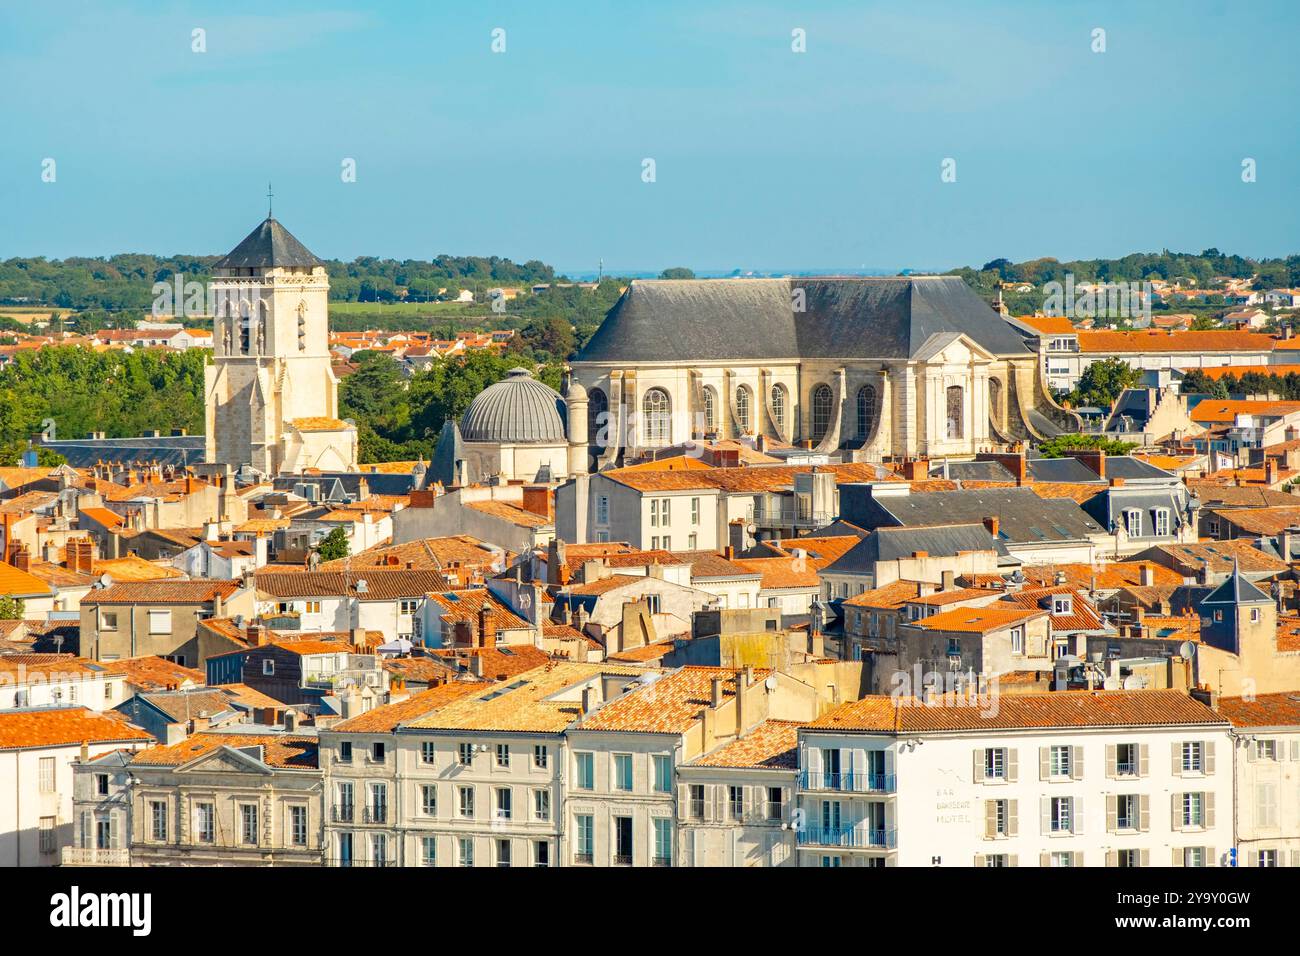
[517, 410]
[1236, 590]
[166, 450]
[693, 320]
[890, 544]
[270, 244]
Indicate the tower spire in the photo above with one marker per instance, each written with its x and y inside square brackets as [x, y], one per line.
[269, 196]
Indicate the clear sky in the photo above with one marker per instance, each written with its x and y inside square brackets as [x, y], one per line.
[765, 158]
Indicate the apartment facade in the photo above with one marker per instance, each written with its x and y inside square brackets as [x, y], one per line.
[156, 618]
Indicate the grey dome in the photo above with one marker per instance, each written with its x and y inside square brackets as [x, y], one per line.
[517, 410]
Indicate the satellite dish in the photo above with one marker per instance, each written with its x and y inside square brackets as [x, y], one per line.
[770, 683]
[1133, 682]
[1187, 650]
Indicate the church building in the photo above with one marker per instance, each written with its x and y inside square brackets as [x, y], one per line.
[858, 369]
[271, 396]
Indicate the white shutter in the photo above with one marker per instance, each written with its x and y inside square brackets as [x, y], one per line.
[1144, 813]
[1112, 758]
[1076, 763]
[1044, 763]
[1045, 808]
[1013, 764]
[1013, 818]
[1175, 811]
[1077, 823]
[1209, 756]
[1177, 768]
[1144, 754]
[977, 765]
[1209, 809]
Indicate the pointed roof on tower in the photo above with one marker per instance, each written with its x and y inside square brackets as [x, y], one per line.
[269, 245]
[1236, 590]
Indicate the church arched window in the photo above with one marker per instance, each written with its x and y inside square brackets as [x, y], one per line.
[597, 416]
[956, 411]
[245, 329]
[656, 417]
[821, 411]
[710, 399]
[866, 410]
[778, 405]
[743, 404]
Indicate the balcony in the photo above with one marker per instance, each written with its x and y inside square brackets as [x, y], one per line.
[79, 856]
[849, 782]
[622, 859]
[342, 813]
[581, 858]
[349, 862]
[777, 517]
[662, 861]
[376, 814]
[857, 838]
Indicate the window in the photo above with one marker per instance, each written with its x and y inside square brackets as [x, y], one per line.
[693, 543]
[503, 756]
[504, 803]
[103, 833]
[429, 800]
[503, 852]
[1018, 639]
[1126, 811]
[585, 832]
[48, 843]
[108, 620]
[584, 771]
[1194, 856]
[597, 417]
[622, 771]
[1193, 757]
[710, 408]
[778, 406]
[1193, 810]
[665, 506]
[995, 763]
[427, 751]
[602, 509]
[1062, 859]
[465, 801]
[1060, 761]
[1128, 858]
[1126, 760]
[654, 513]
[268, 668]
[1061, 813]
[1000, 818]
[1266, 804]
[622, 841]
[1266, 750]
[656, 412]
[663, 767]
[736, 802]
[298, 825]
[1062, 604]
[956, 412]
[160, 622]
[775, 808]
[1267, 858]
[248, 823]
[540, 756]
[158, 821]
[377, 752]
[822, 399]
[377, 812]
[695, 511]
[466, 752]
[1133, 523]
[541, 804]
[663, 842]
[343, 811]
[742, 407]
[345, 751]
[45, 774]
[101, 784]
[1160, 522]
[379, 849]
[429, 851]
[465, 851]
[995, 859]
[541, 853]
[205, 824]
[697, 801]
[866, 411]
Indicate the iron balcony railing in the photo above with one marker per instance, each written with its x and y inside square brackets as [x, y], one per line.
[90, 856]
[777, 517]
[848, 782]
[348, 862]
[859, 837]
[342, 812]
[377, 814]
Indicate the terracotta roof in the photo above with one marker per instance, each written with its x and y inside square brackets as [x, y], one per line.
[1056, 710]
[281, 751]
[976, 620]
[783, 573]
[1223, 371]
[753, 478]
[710, 564]
[196, 591]
[1225, 411]
[465, 605]
[889, 597]
[670, 705]
[1108, 576]
[1261, 521]
[382, 720]
[506, 511]
[1211, 340]
[1264, 710]
[499, 663]
[1219, 556]
[955, 596]
[1053, 324]
[772, 745]
[155, 673]
[16, 583]
[135, 568]
[109, 519]
[605, 585]
[645, 654]
[1082, 617]
[63, 727]
[1212, 493]
[420, 670]
[426, 554]
[382, 584]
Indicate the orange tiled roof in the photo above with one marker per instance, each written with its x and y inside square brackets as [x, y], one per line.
[465, 606]
[772, 745]
[1051, 324]
[976, 620]
[1058, 709]
[783, 573]
[281, 751]
[889, 597]
[16, 583]
[1150, 340]
[506, 511]
[63, 727]
[385, 719]
[196, 591]
[1108, 576]
[1264, 710]
[155, 673]
[670, 705]
[498, 663]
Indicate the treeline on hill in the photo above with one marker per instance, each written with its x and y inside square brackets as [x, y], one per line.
[1203, 268]
[1287, 387]
[125, 282]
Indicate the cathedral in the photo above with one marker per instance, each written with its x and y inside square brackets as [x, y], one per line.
[271, 397]
[858, 369]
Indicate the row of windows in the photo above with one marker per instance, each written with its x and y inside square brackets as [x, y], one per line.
[503, 754]
[206, 825]
[1065, 761]
[1124, 813]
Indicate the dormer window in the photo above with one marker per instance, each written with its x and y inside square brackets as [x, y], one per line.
[1062, 605]
[1133, 523]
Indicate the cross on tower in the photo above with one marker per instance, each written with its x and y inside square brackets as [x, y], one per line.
[269, 196]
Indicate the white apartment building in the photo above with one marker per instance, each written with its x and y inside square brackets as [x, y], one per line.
[372, 599]
[55, 680]
[38, 748]
[1266, 763]
[1072, 778]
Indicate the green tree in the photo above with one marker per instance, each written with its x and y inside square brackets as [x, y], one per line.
[1102, 382]
[677, 272]
[334, 546]
[12, 609]
[1058, 446]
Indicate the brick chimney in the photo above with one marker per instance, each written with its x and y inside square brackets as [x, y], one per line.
[80, 555]
[22, 559]
[487, 628]
[993, 523]
[1270, 471]
[537, 499]
[1146, 575]
[1094, 458]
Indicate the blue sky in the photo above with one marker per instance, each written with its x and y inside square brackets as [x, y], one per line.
[765, 159]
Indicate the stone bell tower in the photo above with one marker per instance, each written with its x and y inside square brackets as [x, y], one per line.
[271, 397]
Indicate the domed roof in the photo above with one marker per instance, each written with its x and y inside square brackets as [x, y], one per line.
[517, 410]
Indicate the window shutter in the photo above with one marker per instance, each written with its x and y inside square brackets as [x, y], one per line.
[1076, 858]
[1112, 858]
[1295, 750]
[1209, 756]
[977, 766]
[990, 819]
[814, 763]
[1144, 857]
[1045, 805]
[1252, 751]
[1178, 857]
[708, 802]
[1077, 824]
[857, 766]
[1209, 809]
[1211, 859]
[1144, 813]
[979, 860]
[1112, 758]
[1248, 859]
[1013, 860]
[1044, 763]
[1013, 818]
[1044, 859]
[1175, 811]
[1295, 857]
[1112, 814]
[1177, 768]
[683, 801]
[1144, 754]
[1076, 763]
[1013, 764]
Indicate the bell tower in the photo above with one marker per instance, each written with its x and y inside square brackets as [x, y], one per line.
[270, 385]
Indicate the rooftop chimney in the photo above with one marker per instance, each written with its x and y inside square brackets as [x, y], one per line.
[715, 699]
[487, 626]
[1146, 575]
[993, 523]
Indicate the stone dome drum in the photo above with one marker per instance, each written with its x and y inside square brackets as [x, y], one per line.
[518, 410]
